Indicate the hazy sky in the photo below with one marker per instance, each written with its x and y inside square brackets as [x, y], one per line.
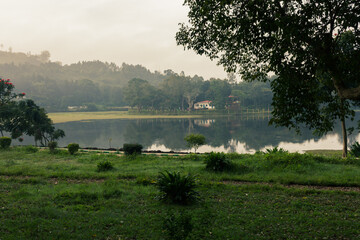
[131, 31]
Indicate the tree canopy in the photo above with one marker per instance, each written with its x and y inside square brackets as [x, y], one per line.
[312, 46]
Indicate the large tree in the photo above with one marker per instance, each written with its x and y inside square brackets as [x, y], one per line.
[313, 46]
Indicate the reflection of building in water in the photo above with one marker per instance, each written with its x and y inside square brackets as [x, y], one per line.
[204, 122]
[204, 105]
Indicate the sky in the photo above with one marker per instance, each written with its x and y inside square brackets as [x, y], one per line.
[131, 31]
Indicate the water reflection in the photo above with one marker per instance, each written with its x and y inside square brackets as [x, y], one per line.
[222, 134]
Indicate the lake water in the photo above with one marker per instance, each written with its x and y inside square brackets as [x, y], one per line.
[226, 134]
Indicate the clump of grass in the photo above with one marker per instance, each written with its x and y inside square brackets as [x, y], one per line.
[177, 188]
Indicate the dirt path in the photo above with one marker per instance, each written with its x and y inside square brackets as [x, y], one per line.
[298, 186]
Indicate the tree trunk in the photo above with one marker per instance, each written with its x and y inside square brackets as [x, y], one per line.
[344, 135]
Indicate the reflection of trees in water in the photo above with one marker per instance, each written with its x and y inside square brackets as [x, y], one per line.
[227, 132]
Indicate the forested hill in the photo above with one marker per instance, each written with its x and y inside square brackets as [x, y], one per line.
[99, 84]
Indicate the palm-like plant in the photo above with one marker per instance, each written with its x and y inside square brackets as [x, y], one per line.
[177, 188]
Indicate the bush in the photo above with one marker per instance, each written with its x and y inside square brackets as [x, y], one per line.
[132, 148]
[73, 148]
[105, 165]
[5, 142]
[355, 149]
[176, 188]
[217, 162]
[52, 146]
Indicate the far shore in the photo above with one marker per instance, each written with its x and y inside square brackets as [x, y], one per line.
[62, 117]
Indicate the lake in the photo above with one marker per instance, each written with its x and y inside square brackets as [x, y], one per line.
[225, 134]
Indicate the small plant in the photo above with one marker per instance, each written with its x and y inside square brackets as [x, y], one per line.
[355, 149]
[145, 181]
[177, 226]
[177, 188]
[217, 162]
[52, 146]
[105, 165]
[275, 150]
[132, 148]
[195, 141]
[73, 148]
[5, 142]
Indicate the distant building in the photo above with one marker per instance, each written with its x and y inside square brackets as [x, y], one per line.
[76, 108]
[204, 105]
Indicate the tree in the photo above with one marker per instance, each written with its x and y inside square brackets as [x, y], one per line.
[20, 117]
[195, 141]
[312, 46]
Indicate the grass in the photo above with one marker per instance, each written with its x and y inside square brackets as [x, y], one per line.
[62, 117]
[60, 196]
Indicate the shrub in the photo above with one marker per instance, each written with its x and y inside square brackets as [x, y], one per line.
[132, 148]
[176, 188]
[52, 146]
[195, 141]
[217, 162]
[355, 149]
[73, 148]
[5, 142]
[177, 226]
[105, 165]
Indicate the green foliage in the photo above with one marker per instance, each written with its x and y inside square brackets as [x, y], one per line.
[73, 148]
[315, 64]
[355, 149]
[132, 148]
[217, 162]
[177, 188]
[275, 150]
[291, 161]
[177, 226]
[145, 181]
[52, 146]
[104, 166]
[195, 140]
[30, 149]
[5, 142]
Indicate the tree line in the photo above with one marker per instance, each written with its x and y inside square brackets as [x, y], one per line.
[99, 85]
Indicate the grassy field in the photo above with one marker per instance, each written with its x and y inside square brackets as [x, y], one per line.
[62, 117]
[47, 195]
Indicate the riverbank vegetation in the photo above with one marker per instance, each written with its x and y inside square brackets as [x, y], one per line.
[270, 195]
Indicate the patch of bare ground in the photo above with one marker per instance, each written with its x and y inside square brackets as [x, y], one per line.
[299, 186]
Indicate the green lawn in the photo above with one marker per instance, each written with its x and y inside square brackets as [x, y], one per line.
[60, 196]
